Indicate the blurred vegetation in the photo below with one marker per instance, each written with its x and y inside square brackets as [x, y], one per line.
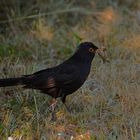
[37, 34]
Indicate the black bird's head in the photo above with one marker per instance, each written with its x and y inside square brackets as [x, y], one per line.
[87, 50]
[88, 47]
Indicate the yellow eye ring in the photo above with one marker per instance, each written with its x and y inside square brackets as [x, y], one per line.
[91, 50]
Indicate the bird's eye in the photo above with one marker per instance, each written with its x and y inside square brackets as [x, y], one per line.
[91, 50]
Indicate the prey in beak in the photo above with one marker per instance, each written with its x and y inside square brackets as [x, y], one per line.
[103, 54]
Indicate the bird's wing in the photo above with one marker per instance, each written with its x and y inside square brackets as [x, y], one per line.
[62, 76]
[67, 75]
[52, 78]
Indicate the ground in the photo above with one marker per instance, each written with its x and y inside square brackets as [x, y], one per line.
[107, 106]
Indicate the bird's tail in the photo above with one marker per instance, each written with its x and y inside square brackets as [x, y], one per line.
[12, 81]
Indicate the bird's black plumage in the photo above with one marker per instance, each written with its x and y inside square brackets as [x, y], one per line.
[60, 80]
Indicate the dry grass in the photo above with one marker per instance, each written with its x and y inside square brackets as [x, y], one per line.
[105, 108]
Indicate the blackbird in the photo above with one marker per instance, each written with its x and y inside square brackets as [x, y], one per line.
[63, 79]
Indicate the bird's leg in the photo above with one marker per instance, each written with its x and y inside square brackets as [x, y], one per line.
[52, 108]
[63, 99]
[53, 104]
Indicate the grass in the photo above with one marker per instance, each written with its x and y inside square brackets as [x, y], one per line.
[107, 106]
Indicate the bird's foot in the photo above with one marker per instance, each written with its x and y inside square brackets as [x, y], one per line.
[53, 116]
[52, 109]
[53, 105]
[68, 109]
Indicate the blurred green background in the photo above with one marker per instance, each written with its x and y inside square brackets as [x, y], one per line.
[37, 34]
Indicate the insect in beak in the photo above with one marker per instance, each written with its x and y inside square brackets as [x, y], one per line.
[103, 54]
